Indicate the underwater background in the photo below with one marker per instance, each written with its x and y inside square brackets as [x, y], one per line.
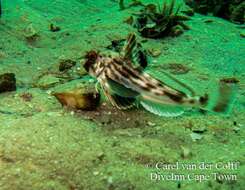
[48, 141]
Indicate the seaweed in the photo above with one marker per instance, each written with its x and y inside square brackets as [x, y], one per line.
[66, 64]
[232, 10]
[160, 21]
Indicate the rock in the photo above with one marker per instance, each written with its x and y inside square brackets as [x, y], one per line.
[188, 12]
[151, 124]
[106, 120]
[2, 55]
[66, 64]
[54, 28]
[101, 156]
[242, 35]
[196, 136]
[78, 100]
[185, 152]
[129, 20]
[208, 20]
[229, 80]
[236, 129]
[7, 82]
[47, 81]
[176, 68]
[154, 52]
[82, 97]
[27, 97]
[199, 129]
[30, 33]
[232, 10]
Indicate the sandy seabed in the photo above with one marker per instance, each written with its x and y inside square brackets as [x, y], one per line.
[45, 146]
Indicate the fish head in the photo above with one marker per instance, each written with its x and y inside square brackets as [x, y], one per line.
[91, 61]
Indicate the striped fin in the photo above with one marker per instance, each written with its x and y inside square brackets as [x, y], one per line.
[144, 84]
[129, 46]
[172, 82]
[116, 100]
[123, 102]
[120, 89]
[133, 52]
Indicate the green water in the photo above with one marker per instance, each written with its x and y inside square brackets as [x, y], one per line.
[44, 145]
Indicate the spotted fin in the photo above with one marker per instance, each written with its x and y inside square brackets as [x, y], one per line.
[162, 110]
[134, 52]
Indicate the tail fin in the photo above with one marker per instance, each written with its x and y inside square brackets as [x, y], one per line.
[222, 100]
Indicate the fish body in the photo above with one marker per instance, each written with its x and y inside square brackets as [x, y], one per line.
[126, 84]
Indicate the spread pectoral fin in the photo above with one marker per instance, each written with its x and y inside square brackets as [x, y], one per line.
[123, 102]
[117, 100]
[121, 90]
[161, 109]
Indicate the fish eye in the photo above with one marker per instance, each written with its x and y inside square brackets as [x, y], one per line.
[91, 58]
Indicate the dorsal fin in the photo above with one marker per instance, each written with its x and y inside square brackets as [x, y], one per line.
[129, 46]
[133, 52]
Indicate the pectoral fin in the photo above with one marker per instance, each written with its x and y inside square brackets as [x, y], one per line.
[162, 110]
[123, 102]
[118, 95]
[121, 90]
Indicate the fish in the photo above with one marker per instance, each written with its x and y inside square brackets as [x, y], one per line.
[126, 83]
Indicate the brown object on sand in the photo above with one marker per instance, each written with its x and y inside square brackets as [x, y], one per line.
[7, 82]
[78, 99]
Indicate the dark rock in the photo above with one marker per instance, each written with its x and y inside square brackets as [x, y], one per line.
[188, 12]
[233, 10]
[54, 28]
[176, 68]
[116, 45]
[7, 82]
[66, 64]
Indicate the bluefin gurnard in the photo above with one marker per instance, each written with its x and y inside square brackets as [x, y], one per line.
[126, 84]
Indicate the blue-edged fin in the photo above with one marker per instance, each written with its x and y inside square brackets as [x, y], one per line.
[123, 102]
[161, 109]
[222, 100]
[118, 95]
[121, 90]
[134, 52]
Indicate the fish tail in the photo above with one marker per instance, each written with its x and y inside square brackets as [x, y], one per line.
[221, 100]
